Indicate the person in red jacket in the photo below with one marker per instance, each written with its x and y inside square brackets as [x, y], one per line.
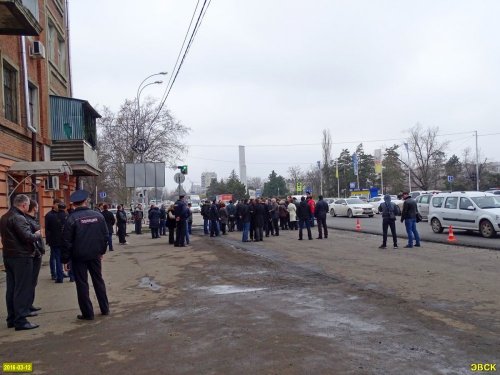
[312, 206]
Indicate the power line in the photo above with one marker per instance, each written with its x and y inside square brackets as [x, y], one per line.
[175, 71]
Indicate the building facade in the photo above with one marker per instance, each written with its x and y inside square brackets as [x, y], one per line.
[206, 179]
[47, 138]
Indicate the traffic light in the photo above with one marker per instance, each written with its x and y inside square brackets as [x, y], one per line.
[183, 168]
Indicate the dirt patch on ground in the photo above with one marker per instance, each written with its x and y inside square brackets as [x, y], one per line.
[277, 307]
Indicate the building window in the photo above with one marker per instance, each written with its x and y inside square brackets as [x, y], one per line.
[51, 39]
[32, 6]
[33, 104]
[10, 92]
[61, 55]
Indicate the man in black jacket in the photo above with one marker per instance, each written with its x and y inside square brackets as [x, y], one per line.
[304, 215]
[18, 251]
[85, 237]
[54, 223]
[320, 211]
[121, 224]
[110, 222]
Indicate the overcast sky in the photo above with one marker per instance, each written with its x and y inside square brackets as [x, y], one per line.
[269, 74]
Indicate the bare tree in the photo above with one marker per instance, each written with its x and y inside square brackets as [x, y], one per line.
[255, 183]
[326, 145]
[295, 175]
[428, 156]
[119, 133]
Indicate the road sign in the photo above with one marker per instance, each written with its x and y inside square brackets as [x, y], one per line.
[258, 193]
[299, 187]
[352, 185]
[102, 194]
[179, 178]
[450, 178]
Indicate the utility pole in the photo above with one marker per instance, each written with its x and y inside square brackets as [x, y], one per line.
[477, 164]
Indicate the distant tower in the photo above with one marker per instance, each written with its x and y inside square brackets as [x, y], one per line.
[243, 166]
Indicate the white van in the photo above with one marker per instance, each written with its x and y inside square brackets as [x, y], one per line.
[469, 210]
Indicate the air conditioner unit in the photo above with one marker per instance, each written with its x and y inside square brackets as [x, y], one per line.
[37, 50]
[52, 183]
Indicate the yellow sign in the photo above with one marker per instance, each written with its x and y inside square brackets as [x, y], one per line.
[17, 367]
[299, 186]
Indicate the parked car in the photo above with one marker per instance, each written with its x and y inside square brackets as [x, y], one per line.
[495, 191]
[376, 201]
[423, 202]
[415, 194]
[351, 207]
[195, 208]
[473, 210]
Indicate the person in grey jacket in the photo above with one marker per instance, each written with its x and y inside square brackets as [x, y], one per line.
[389, 211]
[409, 216]
[18, 252]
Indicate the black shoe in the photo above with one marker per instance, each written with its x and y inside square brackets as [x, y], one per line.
[310, 238]
[10, 325]
[58, 281]
[319, 238]
[27, 326]
[300, 239]
[105, 313]
[417, 245]
[31, 314]
[396, 246]
[81, 317]
[53, 277]
[33, 308]
[71, 280]
[408, 247]
[382, 247]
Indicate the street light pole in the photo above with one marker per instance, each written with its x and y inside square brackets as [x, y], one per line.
[140, 145]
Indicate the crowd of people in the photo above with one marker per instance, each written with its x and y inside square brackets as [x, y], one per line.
[78, 237]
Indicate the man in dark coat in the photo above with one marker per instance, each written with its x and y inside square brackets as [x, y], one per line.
[85, 237]
[259, 215]
[320, 211]
[304, 215]
[244, 216]
[154, 221]
[18, 251]
[138, 217]
[110, 222]
[54, 223]
[180, 212]
[121, 224]
[205, 213]
[214, 219]
[231, 213]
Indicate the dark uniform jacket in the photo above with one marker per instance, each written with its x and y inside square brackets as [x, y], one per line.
[214, 212]
[17, 236]
[54, 223]
[244, 212]
[85, 235]
[321, 209]
[110, 220]
[180, 210]
[260, 214]
[303, 211]
[409, 209]
[154, 217]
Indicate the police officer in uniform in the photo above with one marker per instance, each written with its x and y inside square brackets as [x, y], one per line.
[85, 236]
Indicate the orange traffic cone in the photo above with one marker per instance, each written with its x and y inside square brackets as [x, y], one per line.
[451, 236]
[358, 225]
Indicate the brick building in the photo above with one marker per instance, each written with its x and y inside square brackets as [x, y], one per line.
[47, 138]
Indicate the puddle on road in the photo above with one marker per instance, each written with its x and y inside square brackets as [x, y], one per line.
[230, 289]
[146, 282]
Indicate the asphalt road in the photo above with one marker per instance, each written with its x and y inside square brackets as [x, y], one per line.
[374, 225]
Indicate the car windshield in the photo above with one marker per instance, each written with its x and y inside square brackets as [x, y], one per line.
[487, 202]
[354, 201]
